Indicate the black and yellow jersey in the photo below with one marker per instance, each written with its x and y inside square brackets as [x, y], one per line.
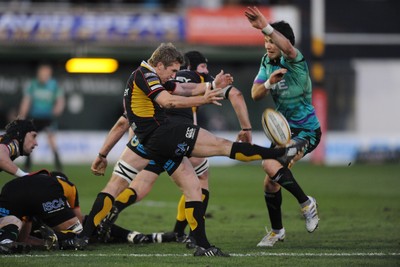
[12, 146]
[188, 76]
[69, 189]
[142, 88]
[70, 192]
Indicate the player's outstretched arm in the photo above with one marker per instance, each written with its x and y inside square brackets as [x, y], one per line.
[190, 89]
[222, 80]
[7, 165]
[258, 21]
[99, 164]
[167, 100]
[259, 90]
[239, 105]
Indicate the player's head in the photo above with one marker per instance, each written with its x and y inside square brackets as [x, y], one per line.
[24, 131]
[166, 60]
[284, 28]
[196, 61]
[44, 72]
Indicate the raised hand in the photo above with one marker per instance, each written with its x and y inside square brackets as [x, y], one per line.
[256, 18]
[213, 96]
[223, 79]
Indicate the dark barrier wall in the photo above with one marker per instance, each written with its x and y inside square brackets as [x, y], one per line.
[94, 101]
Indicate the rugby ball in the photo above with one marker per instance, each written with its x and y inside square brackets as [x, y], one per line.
[276, 127]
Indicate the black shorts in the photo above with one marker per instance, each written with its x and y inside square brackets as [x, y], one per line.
[169, 143]
[313, 137]
[38, 196]
[139, 149]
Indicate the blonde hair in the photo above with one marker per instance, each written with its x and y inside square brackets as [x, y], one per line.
[167, 54]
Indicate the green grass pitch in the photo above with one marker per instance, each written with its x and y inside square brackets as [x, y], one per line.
[359, 207]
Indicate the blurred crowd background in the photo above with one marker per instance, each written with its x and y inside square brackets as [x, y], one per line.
[355, 59]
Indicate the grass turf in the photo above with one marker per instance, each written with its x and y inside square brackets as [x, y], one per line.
[359, 207]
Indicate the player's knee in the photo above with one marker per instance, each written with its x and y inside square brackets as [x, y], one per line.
[11, 219]
[271, 167]
[125, 171]
[202, 169]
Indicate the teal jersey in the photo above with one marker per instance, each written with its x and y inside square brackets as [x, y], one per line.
[292, 95]
[43, 97]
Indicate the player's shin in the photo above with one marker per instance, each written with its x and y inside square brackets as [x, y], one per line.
[285, 178]
[274, 202]
[250, 152]
[181, 222]
[100, 209]
[125, 199]
[195, 216]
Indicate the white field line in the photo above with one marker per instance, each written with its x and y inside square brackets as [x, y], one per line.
[258, 254]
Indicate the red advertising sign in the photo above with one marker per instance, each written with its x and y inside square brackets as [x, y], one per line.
[320, 103]
[225, 26]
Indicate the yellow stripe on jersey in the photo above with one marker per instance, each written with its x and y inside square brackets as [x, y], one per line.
[69, 192]
[154, 82]
[141, 105]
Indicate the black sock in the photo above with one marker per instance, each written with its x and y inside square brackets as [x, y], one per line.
[195, 217]
[10, 231]
[119, 234]
[179, 227]
[181, 222]
[206, 196]
[101, 207]
[249, 152]
[274, 202]
[285, 178]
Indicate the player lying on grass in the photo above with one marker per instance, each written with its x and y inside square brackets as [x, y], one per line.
[48, 204]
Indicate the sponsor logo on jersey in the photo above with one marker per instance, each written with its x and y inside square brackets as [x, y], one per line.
[133, 126]
[190, 132]
[139, 147]
[135, 141]
[4, 212]
[281, 85]
[169, 165]
[183, 79]
[54, 205]
[181, 149]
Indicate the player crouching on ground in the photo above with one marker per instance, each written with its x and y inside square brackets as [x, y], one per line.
[48, 203]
